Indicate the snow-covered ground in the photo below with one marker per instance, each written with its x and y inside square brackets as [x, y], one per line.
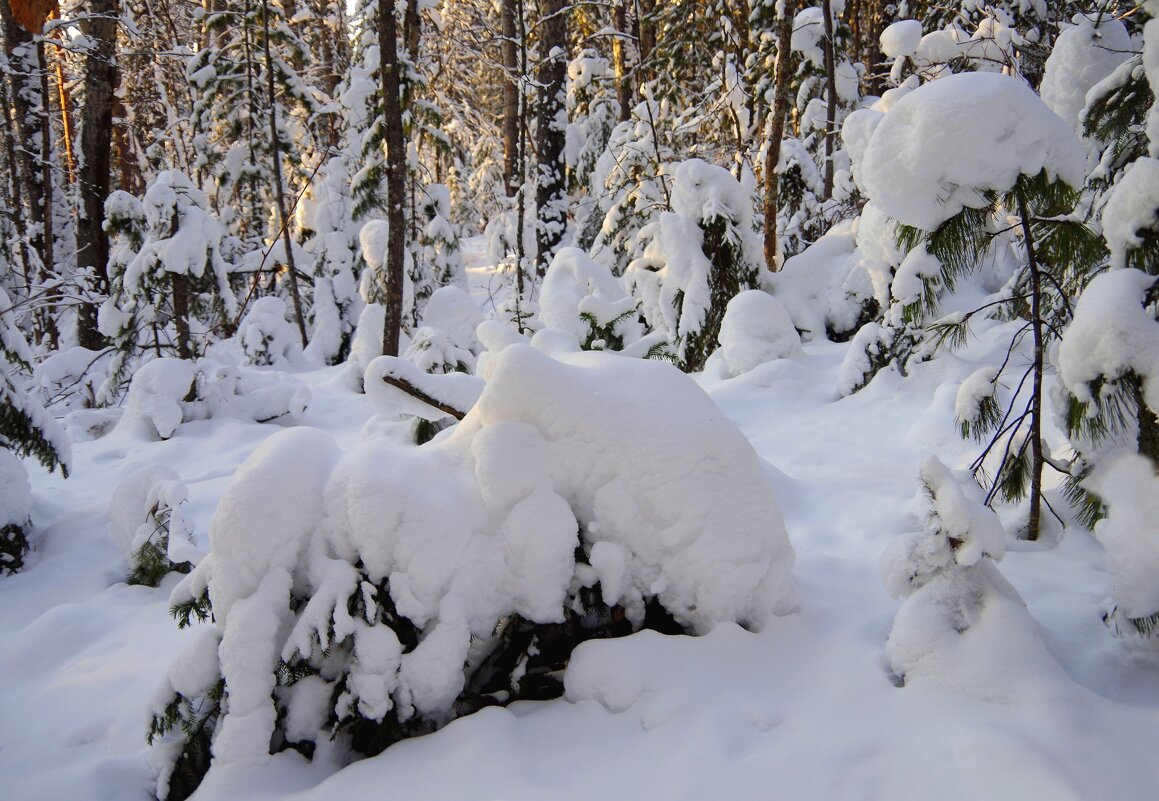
[805, 709]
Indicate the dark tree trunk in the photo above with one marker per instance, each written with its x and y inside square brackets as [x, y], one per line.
[511, 88]
[624, 89]
[395, 175]
[1036, 324]
[179, 284]
[551, 130]
[777, 132]
[29, 118]
[100, 76]
[279, 190]
[14, 183]
[46, 322]
[646, 37]
[830, 97]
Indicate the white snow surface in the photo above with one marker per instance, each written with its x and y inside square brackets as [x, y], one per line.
[948, 141]
[1053, 708]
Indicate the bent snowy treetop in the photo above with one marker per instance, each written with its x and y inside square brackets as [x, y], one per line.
[947, 143]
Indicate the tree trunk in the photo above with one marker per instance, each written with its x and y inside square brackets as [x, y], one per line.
[511, 89]
[645, 37]
[279, 190]
[551, 186]
[47, 323]
[1036, 458]
[780, 112]
[30, 120]
[179, 283]
[92, 253]
[831, 97]
[624, 90]
[395, 175]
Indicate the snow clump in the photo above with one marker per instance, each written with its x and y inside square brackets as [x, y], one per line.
[1083, 55]
[901, 38]
[1110, 336]
[1130, 488]
[943, 146]
[1133, 206]
[756, 329]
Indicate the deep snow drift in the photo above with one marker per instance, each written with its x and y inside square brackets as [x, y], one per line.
[1034, 701]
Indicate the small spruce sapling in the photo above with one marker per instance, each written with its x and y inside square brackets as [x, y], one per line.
[148, 521]
[945, 570]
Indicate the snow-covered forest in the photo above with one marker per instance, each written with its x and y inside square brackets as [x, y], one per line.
[627, 399]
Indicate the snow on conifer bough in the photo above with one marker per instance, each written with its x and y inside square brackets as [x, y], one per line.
[364, 597]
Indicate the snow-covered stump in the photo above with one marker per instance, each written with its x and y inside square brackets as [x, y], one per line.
[377, 594]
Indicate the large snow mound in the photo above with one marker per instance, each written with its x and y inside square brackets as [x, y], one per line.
[594, 468]
[945, 144]
[647, 463]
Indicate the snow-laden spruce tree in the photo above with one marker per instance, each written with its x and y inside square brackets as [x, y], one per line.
[696, 259]
[1109, 364]
[967, 164]
[629, 186]
[173, 295]
[382, 592]
[592, 112]
[26, 429]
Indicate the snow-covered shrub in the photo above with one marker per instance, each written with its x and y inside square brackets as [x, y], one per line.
[166, 392]
[153, 409]
[373, 238]
[333, 247]
[267, 337]
[581, 297]
[974, 168]
[455, 313]
[697, 258]
[261, 396]
[71, 378]
[756, 329]
[440, 242]
[826, 289]
[147, 520]
[377, 594]
[1085, 53]
[592, 113]
[962, 624]
[1108, 363]
[175, 290]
